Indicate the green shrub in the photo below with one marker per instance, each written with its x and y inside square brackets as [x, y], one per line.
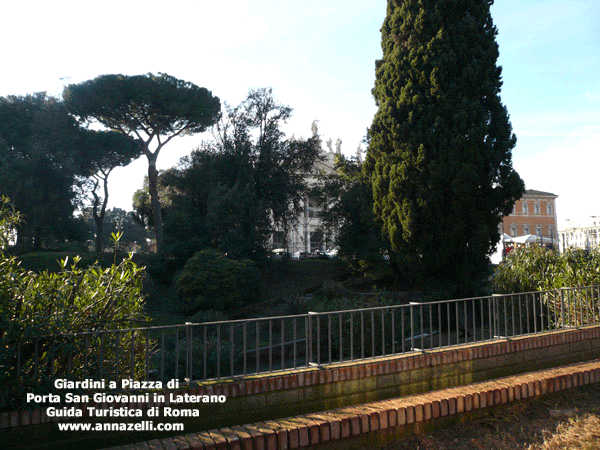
[41, 313]
[212, 281]
[537, 269]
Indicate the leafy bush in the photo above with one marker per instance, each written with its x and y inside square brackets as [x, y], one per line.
[536, 269]
[41, 312]
[211, 280]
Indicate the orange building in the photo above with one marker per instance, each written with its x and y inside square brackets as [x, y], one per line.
[534, 213]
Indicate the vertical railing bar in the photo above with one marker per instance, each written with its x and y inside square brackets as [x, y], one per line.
[465, 313]
[231, 350]
[187, 352]
[85, 358]
[512, 314]
[481, 308]
[439, 325]
[329, 338]
[36, 358]
[270, 345]
[132, 367]
[542, 311]
[562, 307]
[422, 329]
[505, 314]
[533, 302]
[295, 329]
[393, 311]
[205, 352]
[70, 356]
[474, 309]
[362, 335]
[307, 340]
[412, 328]
[580, 307]
[218, 351]
[282, 333]
[521, 331]
[245, 348]
[449, 327]
[431, 330]
[457, 315]
[191, 358]
[569, 319]
[527, 314]
[372, 333]
[402, 331]
[382, 333]
[147, 355]
[318, 361]
[596, 300]
[340, 325]
[176, 353]
[117, 354]
[162, 356]
[257, 351]
[19, 358]
[492, 319]
[101, 355]
[351, 336]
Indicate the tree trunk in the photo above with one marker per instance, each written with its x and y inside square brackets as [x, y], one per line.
[156, 213]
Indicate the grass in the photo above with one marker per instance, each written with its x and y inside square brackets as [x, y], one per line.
[568, 420]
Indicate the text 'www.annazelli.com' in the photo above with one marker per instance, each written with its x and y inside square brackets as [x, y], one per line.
[146, 425]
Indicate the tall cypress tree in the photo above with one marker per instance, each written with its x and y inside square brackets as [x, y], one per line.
[440, 152]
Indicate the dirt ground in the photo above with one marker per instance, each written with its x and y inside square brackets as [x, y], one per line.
[567, 420]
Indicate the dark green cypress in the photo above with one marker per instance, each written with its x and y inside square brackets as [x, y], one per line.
[441, 142]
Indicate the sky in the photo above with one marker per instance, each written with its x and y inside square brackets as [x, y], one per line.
[319, 58]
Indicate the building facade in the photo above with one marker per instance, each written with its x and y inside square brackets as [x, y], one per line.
[534, 213]
[307, 235]
[584, 234]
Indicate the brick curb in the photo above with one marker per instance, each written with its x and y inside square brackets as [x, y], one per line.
[334, 425]
[253, 385]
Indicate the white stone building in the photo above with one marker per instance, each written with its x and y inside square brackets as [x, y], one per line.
[584, 234]
[307, 234]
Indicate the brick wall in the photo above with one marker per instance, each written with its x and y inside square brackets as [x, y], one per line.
[265, 398]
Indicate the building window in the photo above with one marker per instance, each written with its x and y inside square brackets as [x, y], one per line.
[525, 208]
[278, 239]
[538, 230]
[316, 239]
[526, 229]
[551, 231]
[549, 209]
[513, 230]
[536, 209]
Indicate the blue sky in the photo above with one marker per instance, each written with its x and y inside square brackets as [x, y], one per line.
[318, 56]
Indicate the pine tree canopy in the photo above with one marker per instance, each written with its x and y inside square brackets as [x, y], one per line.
[441, 141]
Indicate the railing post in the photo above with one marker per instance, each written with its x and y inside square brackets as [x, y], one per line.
[309, 357]
[188, 351]
[562, 307]
[412, 327]
[495, 312]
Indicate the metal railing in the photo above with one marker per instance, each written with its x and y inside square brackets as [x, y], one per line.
[225, 349]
